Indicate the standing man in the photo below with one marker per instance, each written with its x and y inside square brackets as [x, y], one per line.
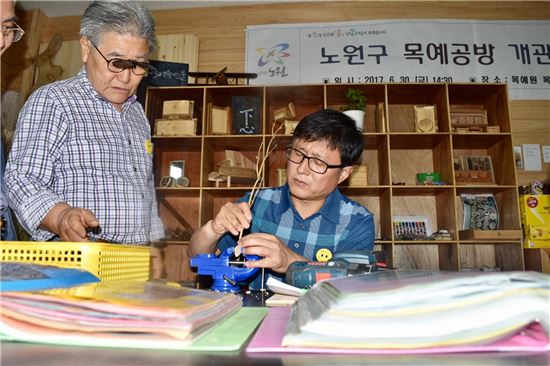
[80, 167]
[306, 219]
[11, 32]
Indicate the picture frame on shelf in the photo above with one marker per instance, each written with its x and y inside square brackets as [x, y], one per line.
[474, 169]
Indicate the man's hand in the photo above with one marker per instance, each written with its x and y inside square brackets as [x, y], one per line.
[233, 217]
[69, 223]
[276, 255]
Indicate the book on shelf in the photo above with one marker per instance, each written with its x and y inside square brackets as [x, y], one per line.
[418, 310]
[128, 314]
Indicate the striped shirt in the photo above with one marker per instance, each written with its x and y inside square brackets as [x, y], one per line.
[71, 145]
[340, 225]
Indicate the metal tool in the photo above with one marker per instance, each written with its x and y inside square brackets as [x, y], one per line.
[224, 269]
[306, 274]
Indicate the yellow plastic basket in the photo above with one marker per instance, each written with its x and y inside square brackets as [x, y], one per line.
[109, 262]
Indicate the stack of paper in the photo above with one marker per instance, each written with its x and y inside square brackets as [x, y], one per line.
[414, 310]
[114, 314]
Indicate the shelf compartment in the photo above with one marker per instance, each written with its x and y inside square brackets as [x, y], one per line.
[375, 120]
[502, 255]
[436, 203]
[167, 149]
[214, 153]
[507, 204]
[156, 96]
[402, 98]
[306, 99]
[411, 154]
[434, 257]
[222, 96]
[490, 97]
[377, 201]
[179, 209]
[498, 147]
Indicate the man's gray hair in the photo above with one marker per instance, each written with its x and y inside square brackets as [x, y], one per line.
[122, 17]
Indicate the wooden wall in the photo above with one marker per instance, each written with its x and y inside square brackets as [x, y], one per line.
[221, 34]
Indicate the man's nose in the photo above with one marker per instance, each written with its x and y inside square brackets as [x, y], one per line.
[124, 76]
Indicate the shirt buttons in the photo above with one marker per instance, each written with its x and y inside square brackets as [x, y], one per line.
[296, 245]
[129, 142]
[135, 169]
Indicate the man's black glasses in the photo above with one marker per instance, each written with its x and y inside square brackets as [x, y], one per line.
[117, 65]
[315, 164]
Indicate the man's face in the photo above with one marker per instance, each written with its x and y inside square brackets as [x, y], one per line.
[114, 87]
[8, 19]
[305, 184]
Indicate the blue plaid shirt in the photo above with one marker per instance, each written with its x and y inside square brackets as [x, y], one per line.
[73, 146]
[340, 225]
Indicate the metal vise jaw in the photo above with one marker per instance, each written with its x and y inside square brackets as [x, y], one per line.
[224, 272]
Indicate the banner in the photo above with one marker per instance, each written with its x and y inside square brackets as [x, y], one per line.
[404, 51]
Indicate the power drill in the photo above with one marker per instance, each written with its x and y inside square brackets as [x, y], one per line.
[306, 274]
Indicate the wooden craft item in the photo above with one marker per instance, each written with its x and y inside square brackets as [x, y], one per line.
[177, 108]
[176, 127]
[424, 119]
[220, 118]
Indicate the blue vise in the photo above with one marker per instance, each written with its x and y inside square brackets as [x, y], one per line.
[224, 272]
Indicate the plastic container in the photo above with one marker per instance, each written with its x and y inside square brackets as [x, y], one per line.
[109, 262]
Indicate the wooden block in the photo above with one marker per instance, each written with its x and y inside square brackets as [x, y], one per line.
[359, 176]
[180, 108]
[176, 127]
[290, 126]
[489, 234]
[424, 119]
[219, 120]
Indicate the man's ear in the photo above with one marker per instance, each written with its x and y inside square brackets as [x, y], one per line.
[85, 46]
[345, 173]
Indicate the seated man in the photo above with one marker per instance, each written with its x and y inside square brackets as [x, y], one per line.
[306, 219]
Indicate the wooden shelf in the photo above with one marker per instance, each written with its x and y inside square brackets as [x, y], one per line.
[393, 153]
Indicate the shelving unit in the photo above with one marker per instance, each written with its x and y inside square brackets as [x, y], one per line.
[394, 153]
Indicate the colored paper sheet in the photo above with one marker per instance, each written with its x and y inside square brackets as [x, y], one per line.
[269, 338]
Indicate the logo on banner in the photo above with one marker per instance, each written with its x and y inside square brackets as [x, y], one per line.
[273, 58]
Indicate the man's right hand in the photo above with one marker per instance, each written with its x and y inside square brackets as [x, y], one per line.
[233, 217]
[69, 223]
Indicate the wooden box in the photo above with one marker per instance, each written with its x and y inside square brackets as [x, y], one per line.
[180, 108]
[220, 120]
[176, 127]
[489, 234]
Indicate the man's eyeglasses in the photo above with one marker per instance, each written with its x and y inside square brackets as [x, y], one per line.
[117, 65]
[14, 32]
[315, 164]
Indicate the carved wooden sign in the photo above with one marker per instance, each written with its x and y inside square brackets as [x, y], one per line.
[246, 115]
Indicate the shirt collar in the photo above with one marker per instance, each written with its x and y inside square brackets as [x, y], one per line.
[330, 209]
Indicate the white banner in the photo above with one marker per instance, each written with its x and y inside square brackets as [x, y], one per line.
[413, 50]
